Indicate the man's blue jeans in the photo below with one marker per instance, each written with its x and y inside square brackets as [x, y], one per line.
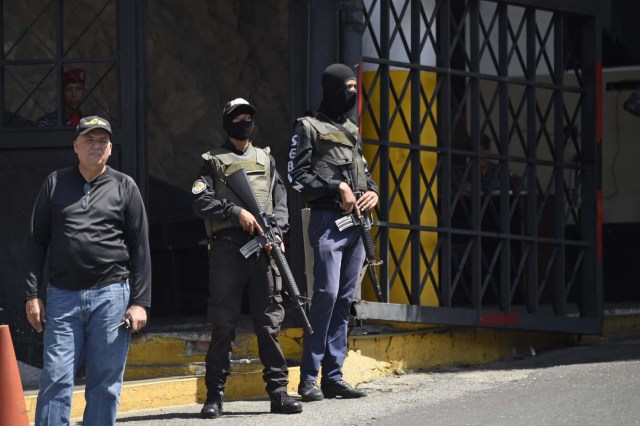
[77, 327]
[338, 260]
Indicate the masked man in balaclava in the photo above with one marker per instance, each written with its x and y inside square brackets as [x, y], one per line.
[229, 226]
[328, 169]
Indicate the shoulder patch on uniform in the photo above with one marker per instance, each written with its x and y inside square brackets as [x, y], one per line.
[198, 186]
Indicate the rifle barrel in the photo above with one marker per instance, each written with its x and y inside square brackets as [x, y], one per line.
[290, 282]
[239, 183]
[370, 254]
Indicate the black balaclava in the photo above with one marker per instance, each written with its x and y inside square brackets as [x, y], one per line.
[336, 98]
[240, 130]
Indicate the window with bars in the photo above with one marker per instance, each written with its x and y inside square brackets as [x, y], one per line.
[59, 60]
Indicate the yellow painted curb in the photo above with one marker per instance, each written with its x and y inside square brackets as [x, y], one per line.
[154, 349]
[155, 393]
[438, 348]
[621, 323]
[177, 348]
[369, 357]
[142, 372]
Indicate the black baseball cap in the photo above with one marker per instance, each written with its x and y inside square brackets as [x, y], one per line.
[236, 107]
[93, 122]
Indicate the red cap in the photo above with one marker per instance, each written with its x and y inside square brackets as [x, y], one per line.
[76, 75]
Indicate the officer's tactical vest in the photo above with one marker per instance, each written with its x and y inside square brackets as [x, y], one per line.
[335, 148]
[256, 163]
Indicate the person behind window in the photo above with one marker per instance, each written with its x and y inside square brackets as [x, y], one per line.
[73, 92]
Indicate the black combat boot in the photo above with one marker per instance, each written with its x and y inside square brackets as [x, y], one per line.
[281, 402]
[309, 391]
[342, 389]
[213, 406]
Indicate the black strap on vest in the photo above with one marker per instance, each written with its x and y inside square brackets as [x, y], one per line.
[340, 127]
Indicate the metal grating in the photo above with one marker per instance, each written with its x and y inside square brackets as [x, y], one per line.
[480, 127]
[42, 40]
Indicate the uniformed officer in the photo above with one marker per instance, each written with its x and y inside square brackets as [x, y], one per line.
[229, 226]
[328, 169]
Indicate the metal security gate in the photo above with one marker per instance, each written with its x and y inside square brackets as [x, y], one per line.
[481, 125]
[40, 41]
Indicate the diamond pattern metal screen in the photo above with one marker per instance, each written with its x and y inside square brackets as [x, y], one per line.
[479, 125]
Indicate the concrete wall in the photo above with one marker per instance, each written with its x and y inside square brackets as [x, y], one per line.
[201, 55]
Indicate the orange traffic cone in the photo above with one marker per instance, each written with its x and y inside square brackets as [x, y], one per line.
[13, 410]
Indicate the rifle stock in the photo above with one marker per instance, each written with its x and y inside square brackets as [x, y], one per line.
[239, 183]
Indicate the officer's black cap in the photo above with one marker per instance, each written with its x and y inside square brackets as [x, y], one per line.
[236, 107]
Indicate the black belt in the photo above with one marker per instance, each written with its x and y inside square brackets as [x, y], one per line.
[231, 234]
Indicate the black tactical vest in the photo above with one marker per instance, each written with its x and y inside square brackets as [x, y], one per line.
[256, 163]
[334, 155]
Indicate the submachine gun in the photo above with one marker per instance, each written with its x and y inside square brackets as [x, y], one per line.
[239, 184]
[364, 222]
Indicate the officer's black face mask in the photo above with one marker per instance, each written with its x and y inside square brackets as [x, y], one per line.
[336, 98]
[240, 130]
[344, 100]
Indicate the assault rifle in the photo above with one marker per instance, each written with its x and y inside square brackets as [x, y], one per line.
[239, 184]
[364, 222]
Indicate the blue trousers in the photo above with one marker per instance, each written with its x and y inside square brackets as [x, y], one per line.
[77, 327]
[338, 259]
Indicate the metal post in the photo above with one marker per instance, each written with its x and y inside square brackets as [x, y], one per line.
[59, 57]
[299, 89]
[503, 87]
[416, 180]
[475, 137]
[591, 175]
[560, 223]
[384, 174]
[2, 66]
[444, 143]
[532, 176]
[323, 44]
[141, 97]
[351, 29]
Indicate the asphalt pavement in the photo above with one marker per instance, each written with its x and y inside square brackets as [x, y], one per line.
[590, 384]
